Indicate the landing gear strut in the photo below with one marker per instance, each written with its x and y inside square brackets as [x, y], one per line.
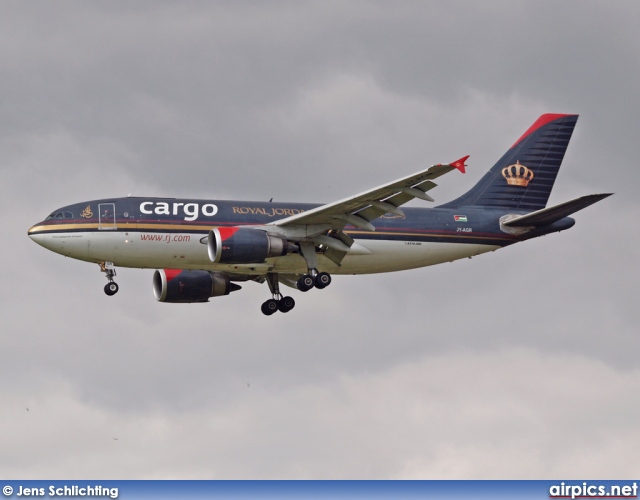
[278, 302]
[109, 270]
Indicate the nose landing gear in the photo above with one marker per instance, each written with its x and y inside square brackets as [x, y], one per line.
[109, 270]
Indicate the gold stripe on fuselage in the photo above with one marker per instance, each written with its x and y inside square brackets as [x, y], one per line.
[93, 226]
[177, 227]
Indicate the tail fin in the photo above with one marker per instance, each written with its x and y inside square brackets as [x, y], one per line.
[523, 178]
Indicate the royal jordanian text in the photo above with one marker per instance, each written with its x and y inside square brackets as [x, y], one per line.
[68, 491]
[270, 212]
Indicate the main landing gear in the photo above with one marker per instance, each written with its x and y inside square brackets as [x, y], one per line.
[278, 302]
[109, 270]
[313, 279]
[305, 283]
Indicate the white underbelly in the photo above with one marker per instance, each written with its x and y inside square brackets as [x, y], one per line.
[189, 251]
[388, 256]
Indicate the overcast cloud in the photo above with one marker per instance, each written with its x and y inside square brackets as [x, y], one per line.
[522, 363]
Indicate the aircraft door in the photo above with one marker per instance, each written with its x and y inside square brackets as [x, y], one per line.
[106, 216]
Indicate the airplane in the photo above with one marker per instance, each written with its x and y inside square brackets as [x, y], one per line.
[204, 248]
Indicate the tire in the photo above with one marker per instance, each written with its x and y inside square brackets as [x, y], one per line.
[286, 304]
[111, 288]
[305, 283]
[323, 280]
[269, 307]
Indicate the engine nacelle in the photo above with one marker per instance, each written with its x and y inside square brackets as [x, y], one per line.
[177, 286]
[243, 245]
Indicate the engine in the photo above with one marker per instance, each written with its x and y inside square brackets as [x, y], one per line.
[177, 286]
[243, 245]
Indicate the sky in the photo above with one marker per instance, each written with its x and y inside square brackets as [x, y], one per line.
[517, 364]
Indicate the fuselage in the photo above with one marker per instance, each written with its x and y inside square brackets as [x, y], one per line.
[172, 234]
[202, 248]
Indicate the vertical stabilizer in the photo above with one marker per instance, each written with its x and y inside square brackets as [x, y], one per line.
[523, 178]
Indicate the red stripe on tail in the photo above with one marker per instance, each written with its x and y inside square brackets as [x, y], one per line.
[540, 122]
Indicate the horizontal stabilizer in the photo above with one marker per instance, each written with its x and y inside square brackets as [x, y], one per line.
[550, 215]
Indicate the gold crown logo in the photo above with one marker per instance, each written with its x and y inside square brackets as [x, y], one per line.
[517, 175]
[87, 213]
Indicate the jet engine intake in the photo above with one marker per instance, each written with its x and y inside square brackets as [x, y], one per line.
[242, 245]
[178, 286]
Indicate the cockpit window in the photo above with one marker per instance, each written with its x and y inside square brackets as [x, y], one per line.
[60, 215]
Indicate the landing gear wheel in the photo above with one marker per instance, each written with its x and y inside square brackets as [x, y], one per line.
[111, 288]
[269, 307]
[323, 280]
[286, 304]
[306, 283]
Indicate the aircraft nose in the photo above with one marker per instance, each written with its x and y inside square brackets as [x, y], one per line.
[38, 233]
[35, 233]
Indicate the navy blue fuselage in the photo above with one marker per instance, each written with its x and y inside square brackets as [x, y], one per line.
[201, 248]
[476, 225]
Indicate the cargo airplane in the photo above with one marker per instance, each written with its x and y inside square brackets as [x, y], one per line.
[204, 248]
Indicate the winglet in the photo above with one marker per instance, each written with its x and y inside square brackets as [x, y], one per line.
[459, 164]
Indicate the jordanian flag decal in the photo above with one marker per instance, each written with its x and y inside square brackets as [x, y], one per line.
[460, 218]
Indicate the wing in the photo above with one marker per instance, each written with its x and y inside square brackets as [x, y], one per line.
[361, 209]
[322, 227]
